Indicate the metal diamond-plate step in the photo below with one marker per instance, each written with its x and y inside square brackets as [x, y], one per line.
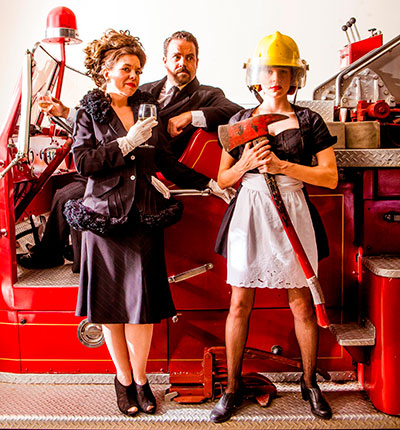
[353, 334]
[383, 265]
[93, 406]
[368, 157]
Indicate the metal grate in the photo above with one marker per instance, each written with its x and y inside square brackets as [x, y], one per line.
[368, 157]
[353, 334]
[93, 406]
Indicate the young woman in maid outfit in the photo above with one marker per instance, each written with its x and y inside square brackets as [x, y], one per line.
[123, 280]
[258, 251]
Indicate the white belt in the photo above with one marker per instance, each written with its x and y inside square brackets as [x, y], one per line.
[256, 182]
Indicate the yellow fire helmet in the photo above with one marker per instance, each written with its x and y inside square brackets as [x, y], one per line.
[276, 50]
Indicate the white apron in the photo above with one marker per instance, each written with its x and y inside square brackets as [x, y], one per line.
[259, 252]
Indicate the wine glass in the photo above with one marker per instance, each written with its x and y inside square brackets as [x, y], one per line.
[147, 110]
[45, 101]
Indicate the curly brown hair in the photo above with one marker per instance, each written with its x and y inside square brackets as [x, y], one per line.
[105, 52]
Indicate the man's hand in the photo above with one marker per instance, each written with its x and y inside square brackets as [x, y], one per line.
[178, 123]
[226, 195]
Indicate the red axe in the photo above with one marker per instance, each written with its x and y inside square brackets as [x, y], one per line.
[253, 129]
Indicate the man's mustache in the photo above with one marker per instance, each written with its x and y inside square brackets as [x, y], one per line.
[183, 69]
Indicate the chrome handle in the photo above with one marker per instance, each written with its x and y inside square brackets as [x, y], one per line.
[190, 273]
[191, 192]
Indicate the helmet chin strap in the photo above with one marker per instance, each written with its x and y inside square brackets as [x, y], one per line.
[295, 95]
[256, 93]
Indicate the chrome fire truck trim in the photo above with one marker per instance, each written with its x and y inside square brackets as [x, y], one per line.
[26, 97]
[191, 192]
[368, 157]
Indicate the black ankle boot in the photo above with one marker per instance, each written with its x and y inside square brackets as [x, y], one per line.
[319, 406]
[145, 398]
[126, 397]
[225, 407]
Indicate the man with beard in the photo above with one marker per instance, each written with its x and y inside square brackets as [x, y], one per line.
[184, 106]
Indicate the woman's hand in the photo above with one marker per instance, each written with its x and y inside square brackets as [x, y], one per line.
[230, 170]
[271, 164]
[253, 156]
[139, 133]
[57, 109]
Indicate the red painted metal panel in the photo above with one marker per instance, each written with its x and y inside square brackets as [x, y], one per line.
[354, 51]
[382, 376]
[49, 344]
[203, 153]
[388, 183]
[380, 235]
[41, 298]
[190, 244]
[9, 342]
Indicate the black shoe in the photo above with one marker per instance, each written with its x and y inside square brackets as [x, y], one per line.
[145, 398]
[36, 260]
[225, 407]
[68, 253]
[126, 397]
[319, 406]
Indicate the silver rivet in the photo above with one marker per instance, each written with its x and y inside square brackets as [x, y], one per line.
[132, 157]
[133, 177]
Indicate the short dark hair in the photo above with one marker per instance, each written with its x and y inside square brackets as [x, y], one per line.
[183, 35]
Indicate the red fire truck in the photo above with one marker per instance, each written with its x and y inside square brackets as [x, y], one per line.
[40, 334]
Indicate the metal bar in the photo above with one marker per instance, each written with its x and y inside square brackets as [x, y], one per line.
[191, 192]
[26, 99]
[190, 273]
[62, 123]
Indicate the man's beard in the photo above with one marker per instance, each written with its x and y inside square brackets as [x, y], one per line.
[180, 78]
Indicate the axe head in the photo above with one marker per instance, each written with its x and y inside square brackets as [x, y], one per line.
[244, 131]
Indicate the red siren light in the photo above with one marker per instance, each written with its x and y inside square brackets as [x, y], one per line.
[61, 27]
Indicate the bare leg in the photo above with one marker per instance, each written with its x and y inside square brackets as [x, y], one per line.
[306, 330]
[114, 336]
[236, 332]
[138, 339]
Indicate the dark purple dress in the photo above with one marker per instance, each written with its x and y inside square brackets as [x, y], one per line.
[123, 276]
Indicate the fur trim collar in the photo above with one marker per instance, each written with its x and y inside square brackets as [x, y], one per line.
[98, 104]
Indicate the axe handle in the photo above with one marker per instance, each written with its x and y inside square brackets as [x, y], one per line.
[312, 280]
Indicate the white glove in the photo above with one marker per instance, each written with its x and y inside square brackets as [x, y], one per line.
[139, 133]
[226, 195]
[160, 187]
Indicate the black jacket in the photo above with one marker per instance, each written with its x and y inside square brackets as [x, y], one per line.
[112, 178]
[217, 110]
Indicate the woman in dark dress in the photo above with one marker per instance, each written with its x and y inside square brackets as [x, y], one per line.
[259, 254]
[123, 280]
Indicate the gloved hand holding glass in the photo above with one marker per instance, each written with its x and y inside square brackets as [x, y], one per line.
[147, 110]
[139, 133]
